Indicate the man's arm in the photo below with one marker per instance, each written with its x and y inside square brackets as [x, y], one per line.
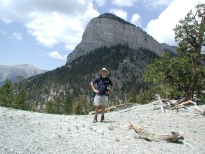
[93, 88]
[111, 89]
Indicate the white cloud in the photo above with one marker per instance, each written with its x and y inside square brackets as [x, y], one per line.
[7, 21]
[17, 36]
[3, 32]
[58, 22]
[69, 47]
[124, 2]
[157, 3]
[136, 19]
[162, 28]
[81, 1]
[120, 13]
[50, 29]
[56, 55]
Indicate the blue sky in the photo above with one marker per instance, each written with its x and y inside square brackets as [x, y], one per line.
[44, 32]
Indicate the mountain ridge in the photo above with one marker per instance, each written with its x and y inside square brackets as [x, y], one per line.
[108, 29]
[11, 72]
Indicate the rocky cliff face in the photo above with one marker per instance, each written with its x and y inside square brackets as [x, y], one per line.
[108, 29]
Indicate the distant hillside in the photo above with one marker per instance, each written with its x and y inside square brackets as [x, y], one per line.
[11, 72]
[126, 68]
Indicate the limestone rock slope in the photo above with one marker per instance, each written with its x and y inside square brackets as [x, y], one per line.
[108, 29]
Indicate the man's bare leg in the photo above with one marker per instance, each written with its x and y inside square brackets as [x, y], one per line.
[96, 114]
[96, 110]
[102, 113]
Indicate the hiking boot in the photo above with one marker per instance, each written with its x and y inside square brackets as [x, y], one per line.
[102, 118]
[95, 119]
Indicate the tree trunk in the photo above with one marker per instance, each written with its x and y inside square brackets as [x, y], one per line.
[190, 91]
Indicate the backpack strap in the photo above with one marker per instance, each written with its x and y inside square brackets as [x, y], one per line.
[98, 81]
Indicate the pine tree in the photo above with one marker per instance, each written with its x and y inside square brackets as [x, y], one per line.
[144, 98]
[132, 95]
[85, 105]
[20, 102]
[183, 75]
[6, 94]
[58, 105]
[190, 35]
[68, 104]
[78, 107]
[49, 107]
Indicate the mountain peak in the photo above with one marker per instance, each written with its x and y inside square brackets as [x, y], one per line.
[114, 17]
[107, 30]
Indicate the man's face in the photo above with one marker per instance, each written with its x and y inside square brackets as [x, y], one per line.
[104, 74]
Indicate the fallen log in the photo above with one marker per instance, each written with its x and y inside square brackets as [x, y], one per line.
[173, 102]
[150, 136]
[185, 103]
[197, 108]
[193, 102]
[177, 107]
[173, 105]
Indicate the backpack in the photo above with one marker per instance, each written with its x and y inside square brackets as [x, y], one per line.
[93, 93]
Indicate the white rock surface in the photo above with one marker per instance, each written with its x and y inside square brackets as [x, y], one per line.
[102, 32]
[29, 132]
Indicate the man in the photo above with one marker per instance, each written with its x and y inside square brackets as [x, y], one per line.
[102, 92]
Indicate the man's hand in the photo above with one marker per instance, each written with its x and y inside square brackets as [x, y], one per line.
[93, 88]
[96, 91]
[107, 92]
[111, 89]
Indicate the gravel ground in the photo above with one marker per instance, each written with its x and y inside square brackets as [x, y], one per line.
[31, 132]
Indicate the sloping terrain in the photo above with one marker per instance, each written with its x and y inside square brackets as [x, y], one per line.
[30, 132]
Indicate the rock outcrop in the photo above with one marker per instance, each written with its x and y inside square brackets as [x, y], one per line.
[108, 29]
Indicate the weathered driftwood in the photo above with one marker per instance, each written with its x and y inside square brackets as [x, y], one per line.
[174, 105]
[169, 104]
[150, 136]
[197, 108]
[183, 105]
[177, 107]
